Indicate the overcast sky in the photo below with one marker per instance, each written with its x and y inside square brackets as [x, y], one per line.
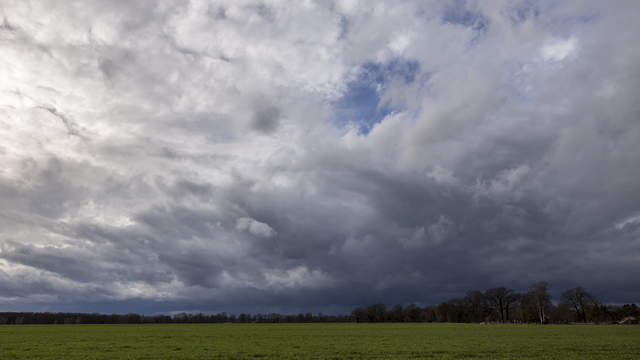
[160, 156]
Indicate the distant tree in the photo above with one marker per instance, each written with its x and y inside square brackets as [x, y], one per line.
[579, 300]
[538, 300]
[396, 314]
[477, 306]
[453, 310]
[430, 313]
[561, 314]
[308, 317]
[627, 310]
[243, 318]
[601, 313]
[376, 313]
[501, 299]
[413, 313]
[359, 314]
[446, 312]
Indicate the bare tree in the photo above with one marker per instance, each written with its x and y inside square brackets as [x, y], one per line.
[540, 300]
[477, 306]
[500, 299]
[579, 299]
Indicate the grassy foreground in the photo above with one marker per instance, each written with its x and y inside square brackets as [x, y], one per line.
[319, 341]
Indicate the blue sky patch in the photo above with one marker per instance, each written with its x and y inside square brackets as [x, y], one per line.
[360, 104]
[458, 13]
[523, 11]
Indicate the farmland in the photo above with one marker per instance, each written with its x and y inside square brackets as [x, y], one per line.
[319, 341]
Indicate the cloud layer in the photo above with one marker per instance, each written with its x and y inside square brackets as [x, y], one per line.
[285, 156]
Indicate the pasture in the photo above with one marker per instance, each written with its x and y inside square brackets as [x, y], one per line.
[319, 341]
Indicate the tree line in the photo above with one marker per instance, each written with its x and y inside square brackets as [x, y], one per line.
[500, 304]
[503, 305]
[25, 318]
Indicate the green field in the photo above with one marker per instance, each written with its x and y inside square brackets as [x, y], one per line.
[319, 341]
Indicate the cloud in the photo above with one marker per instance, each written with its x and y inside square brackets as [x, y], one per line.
[558, 50]
[256, 156]
[256, 228]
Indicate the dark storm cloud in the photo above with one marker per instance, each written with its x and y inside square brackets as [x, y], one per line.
[269, 157]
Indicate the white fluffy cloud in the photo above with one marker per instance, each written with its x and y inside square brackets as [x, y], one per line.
[256, 228]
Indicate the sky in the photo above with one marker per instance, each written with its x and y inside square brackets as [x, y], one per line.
[287, 156]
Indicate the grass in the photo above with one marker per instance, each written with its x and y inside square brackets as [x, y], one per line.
[319, 341]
